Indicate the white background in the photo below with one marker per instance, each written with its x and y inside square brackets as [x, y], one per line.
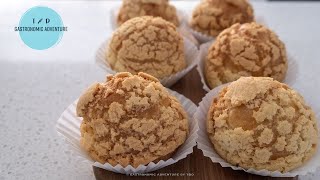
[36, 86]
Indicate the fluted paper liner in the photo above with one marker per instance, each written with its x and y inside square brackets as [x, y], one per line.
[204, 38]
[191, 54]
[68, 126]
[204, 143]
[291, 76]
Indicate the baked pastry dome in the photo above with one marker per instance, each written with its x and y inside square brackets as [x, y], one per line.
[147, 44]
[131, 120]
[245, 50]
[260, 123]
[212, 16]
[156, 8]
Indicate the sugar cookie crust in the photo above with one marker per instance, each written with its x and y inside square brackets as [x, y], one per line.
[147, 44]
[260, 123]
[157, 8]
[131, 120]
[245, 50]
[212, 16]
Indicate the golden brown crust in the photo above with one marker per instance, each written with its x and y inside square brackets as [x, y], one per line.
[86, 98]
[157, 8]
[245, 50]
[260, 123]
[131, 120]
[212, 16]
[147, 44]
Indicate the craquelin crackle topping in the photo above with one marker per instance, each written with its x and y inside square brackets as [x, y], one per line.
[212, 16]
[147, 44]
[245, 50]
[260, 123]
[131, 120]
[157, 8]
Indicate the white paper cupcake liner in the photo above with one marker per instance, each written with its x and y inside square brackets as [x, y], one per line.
[68, 126]
[291, 76]
[187, 34]
[204, 143]
[182, 17]
[204, 38]
[191, 57]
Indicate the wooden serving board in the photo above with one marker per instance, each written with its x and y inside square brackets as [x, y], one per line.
[199, 167]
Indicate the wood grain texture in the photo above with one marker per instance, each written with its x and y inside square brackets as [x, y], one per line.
[202, 167]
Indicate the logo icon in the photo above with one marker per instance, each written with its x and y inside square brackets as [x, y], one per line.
[41, 28]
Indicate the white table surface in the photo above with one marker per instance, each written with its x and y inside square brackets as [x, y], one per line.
[36, 86]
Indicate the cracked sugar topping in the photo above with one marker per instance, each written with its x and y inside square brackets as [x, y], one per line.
[157, 8]
[147, 44]
[212, 16]
[245, 50]
[260, 123]
[131, 120]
